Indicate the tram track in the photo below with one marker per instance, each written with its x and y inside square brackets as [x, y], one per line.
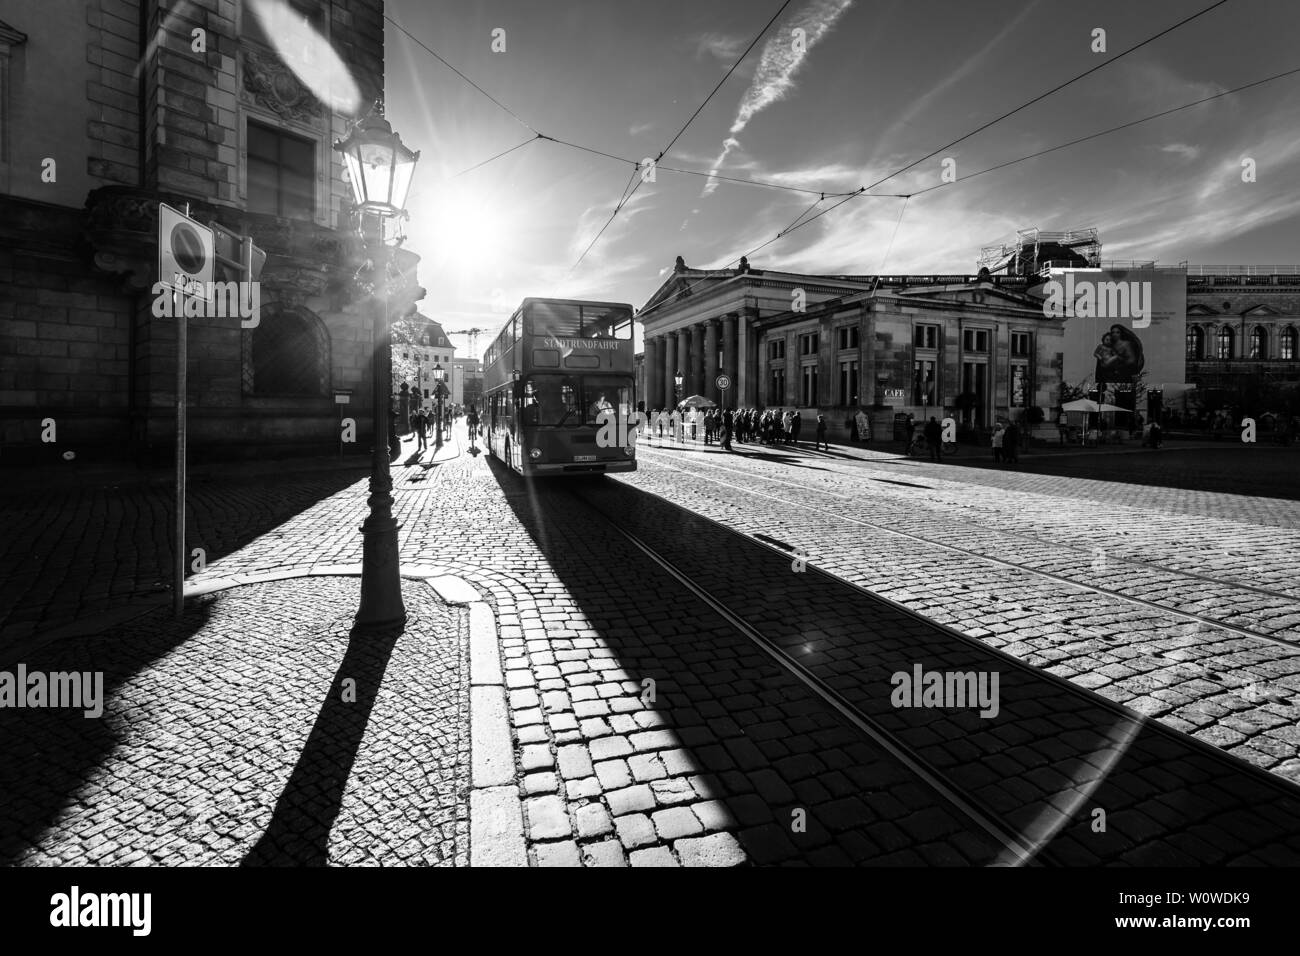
[1072, 582]
[1059, 752]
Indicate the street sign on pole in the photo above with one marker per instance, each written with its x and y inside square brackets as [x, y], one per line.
[186, 253]
[185, 267]
[723, 382]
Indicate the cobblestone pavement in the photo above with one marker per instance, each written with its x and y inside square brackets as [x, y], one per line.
[233, 737]
[1166, 656]
[606, 772]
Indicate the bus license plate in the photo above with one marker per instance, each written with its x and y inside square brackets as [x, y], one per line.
[584, 457]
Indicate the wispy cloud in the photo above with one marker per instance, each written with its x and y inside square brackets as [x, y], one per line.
[780, 61]
[720, 46]
[1182, 149]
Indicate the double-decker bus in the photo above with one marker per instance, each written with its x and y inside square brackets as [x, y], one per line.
[548, 376]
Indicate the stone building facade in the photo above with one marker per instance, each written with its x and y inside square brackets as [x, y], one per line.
[1243, 322]
[889, 345]
[108, 108]
[976, 347]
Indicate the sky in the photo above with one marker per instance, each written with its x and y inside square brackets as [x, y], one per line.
[878, 84]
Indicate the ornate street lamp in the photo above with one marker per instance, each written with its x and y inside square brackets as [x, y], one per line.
[437, 387]
[379, 169]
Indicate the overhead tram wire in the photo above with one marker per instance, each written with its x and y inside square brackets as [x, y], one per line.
[695, 172]
[589, 149]
[1021, 159]
[504, 152]
[663, 152]
[1113, 129]
[441, 60]
[890, 248]
[1055, 89]
[863, 190]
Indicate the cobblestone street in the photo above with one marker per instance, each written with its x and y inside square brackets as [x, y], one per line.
[232, 738]
[646, 730]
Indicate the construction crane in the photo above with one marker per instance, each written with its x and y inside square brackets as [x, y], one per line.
[473, 339]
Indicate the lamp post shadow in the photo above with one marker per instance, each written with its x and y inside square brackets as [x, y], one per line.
[304, 815]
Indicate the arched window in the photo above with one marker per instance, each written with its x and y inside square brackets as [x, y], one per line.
[1195, 342]
[1287, 344]
[287, 353]
[1258, 343]
[1223, 343]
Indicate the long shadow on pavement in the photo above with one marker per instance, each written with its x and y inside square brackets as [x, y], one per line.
[48, 756]
[298, 834]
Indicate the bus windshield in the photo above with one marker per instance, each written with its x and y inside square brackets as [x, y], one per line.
[574, 399]
[586, 321]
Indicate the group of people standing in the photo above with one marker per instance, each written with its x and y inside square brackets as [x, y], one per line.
[1006, 443]
[752, 426]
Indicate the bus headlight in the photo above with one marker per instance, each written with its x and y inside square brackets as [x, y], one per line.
[629, 450]
[535, 454]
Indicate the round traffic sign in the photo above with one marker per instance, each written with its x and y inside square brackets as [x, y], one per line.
[723, 382]
[187, 247]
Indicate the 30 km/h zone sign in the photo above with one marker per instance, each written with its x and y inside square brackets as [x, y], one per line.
[186, 253]
[723, 382]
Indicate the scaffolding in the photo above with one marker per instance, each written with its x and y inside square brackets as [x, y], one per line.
[1033, 250]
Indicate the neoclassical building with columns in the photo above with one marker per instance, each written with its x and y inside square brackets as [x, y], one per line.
[836, 344]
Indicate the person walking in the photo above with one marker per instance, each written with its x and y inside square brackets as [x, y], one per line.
[821, 434]
[728, 422]
[999, 434]
[471, 424]
[422, 430]
[933, 434]
[796, 426]
[1011, 444]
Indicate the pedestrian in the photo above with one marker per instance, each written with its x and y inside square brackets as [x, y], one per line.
[1011, 444]
[1155, 434]
[728, 422]
[415, 414]
[1063, 427]
[999, 434]
[796, 426]
[864, 426]
[933, 435]
[821, 434]
[422, 430]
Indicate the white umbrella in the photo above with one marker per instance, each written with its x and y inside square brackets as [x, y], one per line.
[1088, 405]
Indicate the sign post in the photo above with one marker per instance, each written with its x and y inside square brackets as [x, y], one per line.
[185, 266]
[723, 382]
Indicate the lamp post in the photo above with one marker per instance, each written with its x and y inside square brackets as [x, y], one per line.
[437, 387]
[379, 170]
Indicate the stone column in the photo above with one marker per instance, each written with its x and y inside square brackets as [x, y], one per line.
[684, 361]
[653, 370]
[711, 359]
[669, 365]
[748, 369]
[693, 384]
[729, 356]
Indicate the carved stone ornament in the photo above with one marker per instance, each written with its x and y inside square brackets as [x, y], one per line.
[274, 86]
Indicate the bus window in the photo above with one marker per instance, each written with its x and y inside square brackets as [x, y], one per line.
[575, 400]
